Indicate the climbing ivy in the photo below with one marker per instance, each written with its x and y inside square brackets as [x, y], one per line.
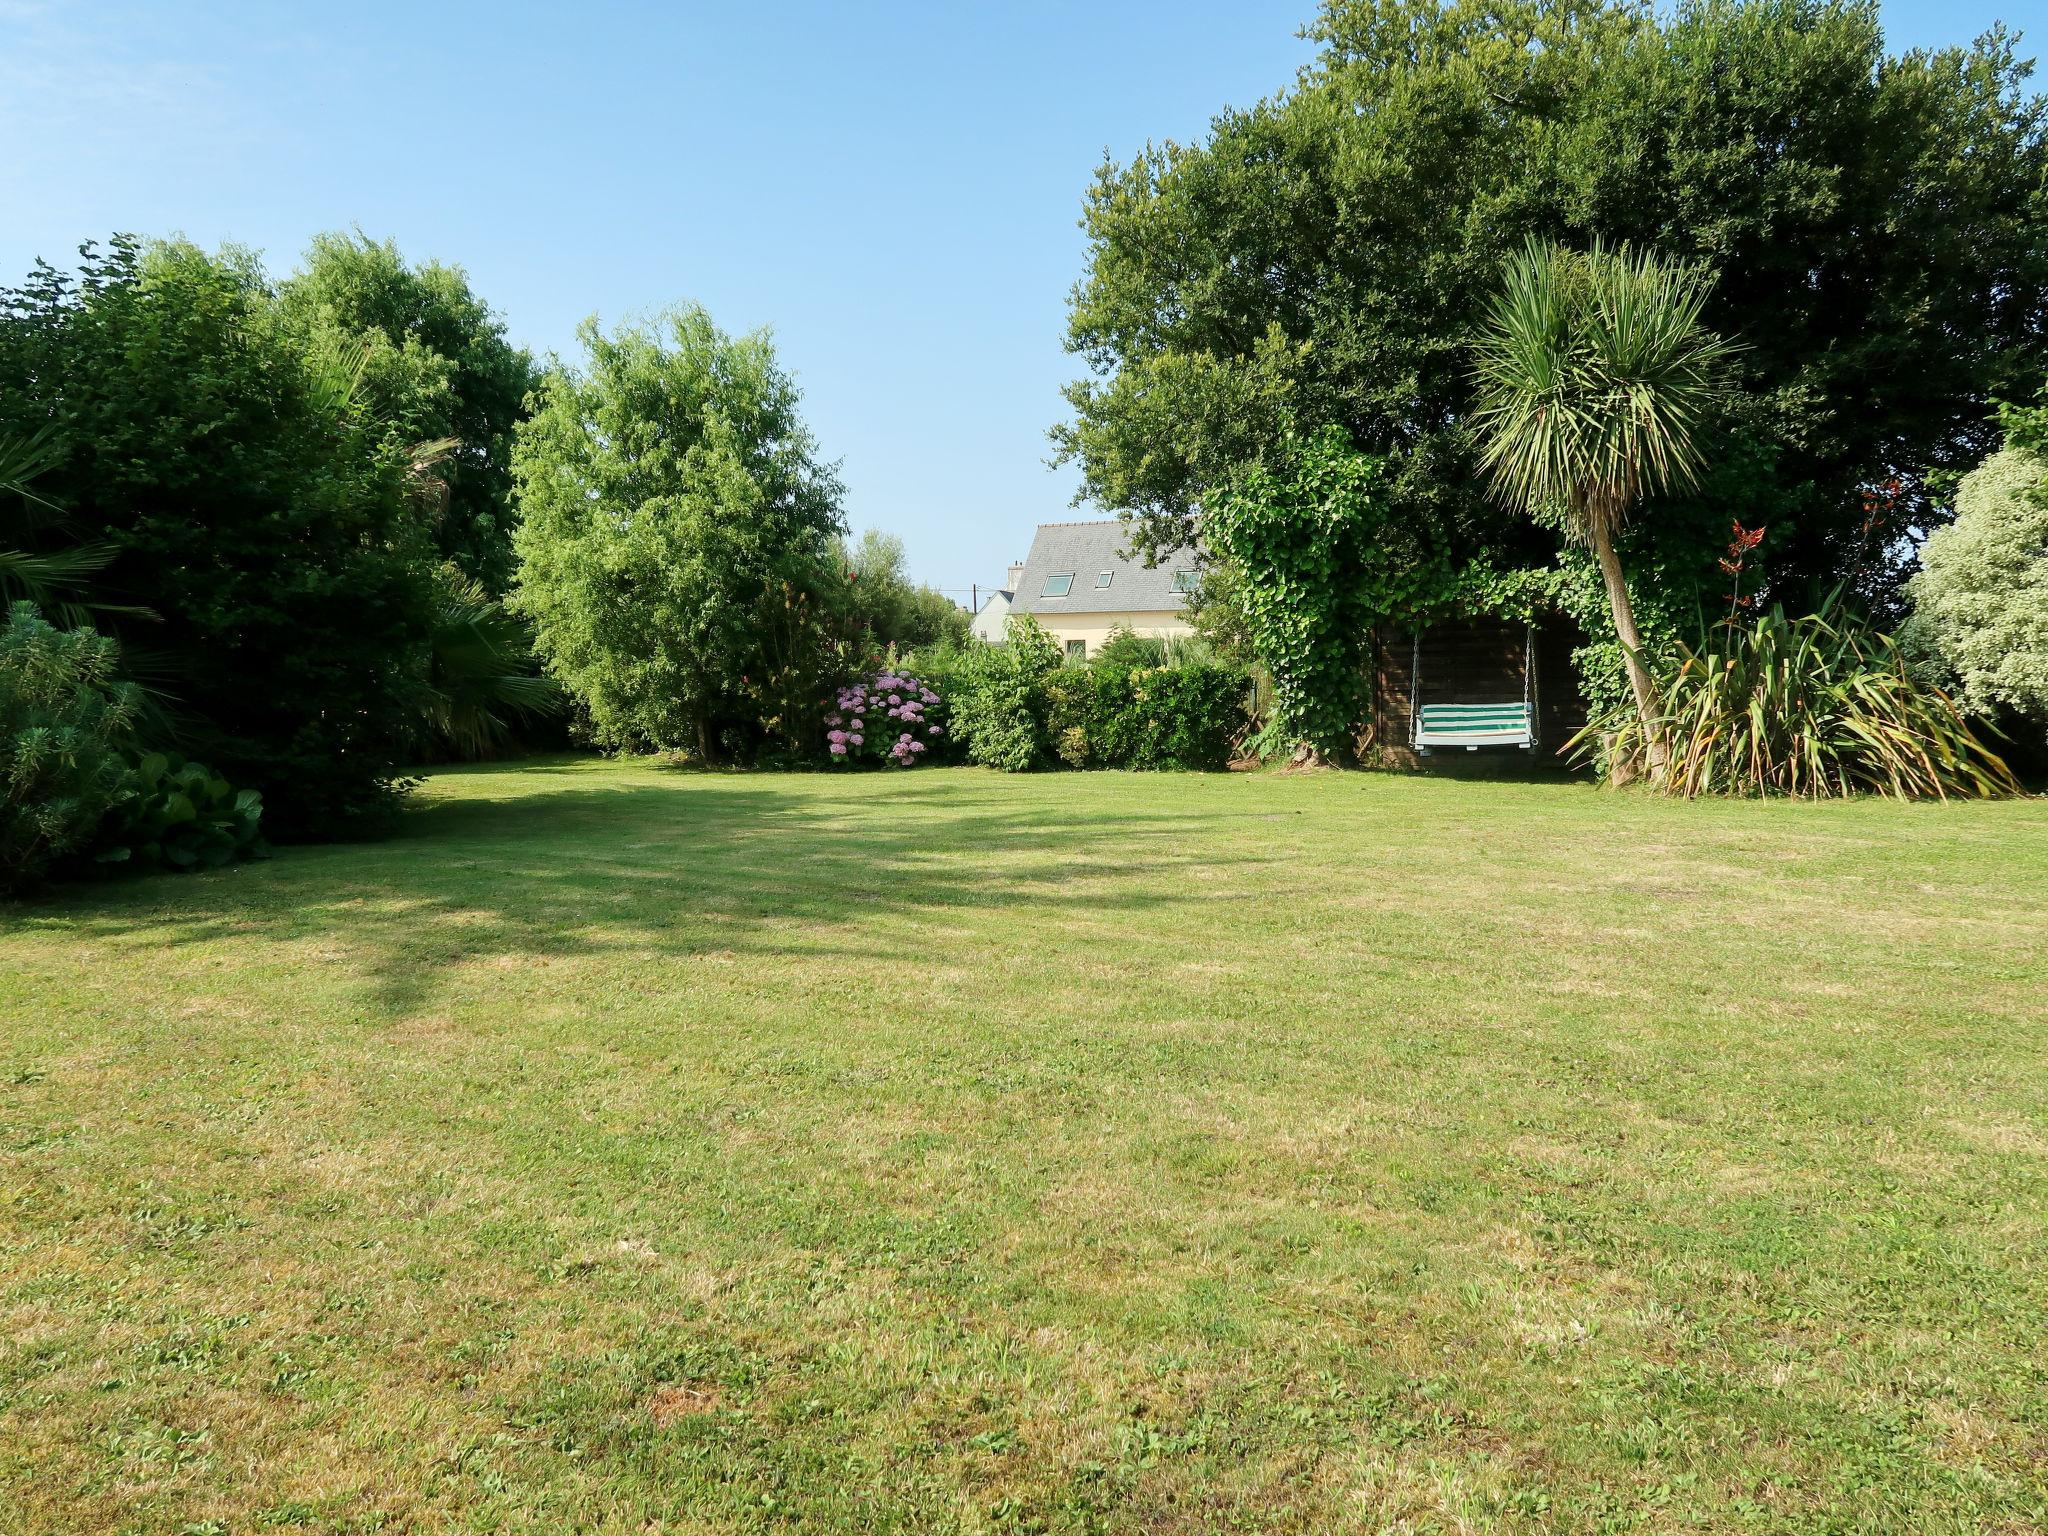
[1321, 564]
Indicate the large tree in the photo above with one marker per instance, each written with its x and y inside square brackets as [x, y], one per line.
[435, 364]
[676, 522]
[1327, 255]
[263, 523]
[893, 609]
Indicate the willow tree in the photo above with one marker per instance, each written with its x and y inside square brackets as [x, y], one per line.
[1596, 379]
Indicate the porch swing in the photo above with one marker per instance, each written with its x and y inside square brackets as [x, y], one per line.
[1473, 726]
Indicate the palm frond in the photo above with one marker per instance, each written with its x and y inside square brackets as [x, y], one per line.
[59, 581]
[23, 460]
[1596, 377]
[481, 671]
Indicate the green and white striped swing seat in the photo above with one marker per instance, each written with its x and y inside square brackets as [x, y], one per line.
[1476, 725]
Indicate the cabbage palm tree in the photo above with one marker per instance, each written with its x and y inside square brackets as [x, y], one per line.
[1595, 379]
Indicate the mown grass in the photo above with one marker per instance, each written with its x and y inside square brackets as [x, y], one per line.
[629, 1151]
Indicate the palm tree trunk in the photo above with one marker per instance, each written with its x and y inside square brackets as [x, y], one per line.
[1648, 707]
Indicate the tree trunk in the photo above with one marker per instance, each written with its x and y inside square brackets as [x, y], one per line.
[1647, 705]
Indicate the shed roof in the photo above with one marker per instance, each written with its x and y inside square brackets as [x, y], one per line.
[1085, 551]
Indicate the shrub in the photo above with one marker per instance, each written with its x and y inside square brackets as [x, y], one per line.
[64, 718]
[1125, 647]
[1980, 619]
[891, 718]
[997, 700]
[1186, 716]
[179, 815]
[1810, 707]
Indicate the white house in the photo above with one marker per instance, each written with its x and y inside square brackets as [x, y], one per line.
[992, 618]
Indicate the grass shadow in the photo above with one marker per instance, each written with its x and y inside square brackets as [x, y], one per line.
[676, 866]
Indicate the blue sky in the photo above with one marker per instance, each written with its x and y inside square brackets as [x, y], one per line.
[893, 188]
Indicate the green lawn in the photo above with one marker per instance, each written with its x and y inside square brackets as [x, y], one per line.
[623, 1150]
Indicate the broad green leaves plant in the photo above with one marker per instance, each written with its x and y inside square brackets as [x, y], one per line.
[179, 815]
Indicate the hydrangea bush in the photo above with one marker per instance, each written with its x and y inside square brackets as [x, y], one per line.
[891, 718]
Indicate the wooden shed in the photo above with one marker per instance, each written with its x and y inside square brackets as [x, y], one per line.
[1485, 670]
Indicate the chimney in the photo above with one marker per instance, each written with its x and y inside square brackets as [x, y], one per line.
[1016, 574]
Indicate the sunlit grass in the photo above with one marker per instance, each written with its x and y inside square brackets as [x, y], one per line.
[622, 1150]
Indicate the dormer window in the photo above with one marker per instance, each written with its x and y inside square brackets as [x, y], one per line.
[1058, 586]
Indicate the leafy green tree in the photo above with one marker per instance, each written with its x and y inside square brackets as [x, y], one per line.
[893, 609]
[1980, 615]
[1326, 255]
[1596, 381]
[668, 490]
[270, 534]
[435, 364]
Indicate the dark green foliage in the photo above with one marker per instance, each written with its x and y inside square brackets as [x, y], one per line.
[1184, 715]
[64, 720]
[1325, 256]
[1321, 563]
[1811, 707]
[435, 365]
[59, 575]
[178, 815]
[272, 534]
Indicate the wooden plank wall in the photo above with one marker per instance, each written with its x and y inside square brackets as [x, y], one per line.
[1474, 661]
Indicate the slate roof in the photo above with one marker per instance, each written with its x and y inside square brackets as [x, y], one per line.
[1086, 550]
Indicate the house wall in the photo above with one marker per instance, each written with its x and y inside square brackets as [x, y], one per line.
[991, 623]
[1094, 628]
[1475, 661]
